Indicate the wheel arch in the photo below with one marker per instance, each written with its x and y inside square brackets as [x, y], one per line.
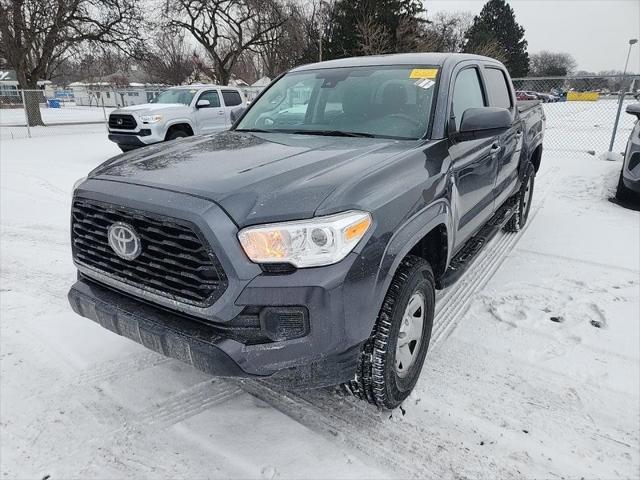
[179, 125]
[427, 235]
[536, 157]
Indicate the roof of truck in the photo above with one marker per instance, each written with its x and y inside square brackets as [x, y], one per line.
[205, 85]
[430, 58]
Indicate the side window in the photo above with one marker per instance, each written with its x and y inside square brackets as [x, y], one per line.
[212, 96]
[497, 88]
[467, 93]
[231, 98]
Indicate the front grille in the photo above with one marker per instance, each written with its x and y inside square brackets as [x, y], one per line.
[122, 122]
[174, 261]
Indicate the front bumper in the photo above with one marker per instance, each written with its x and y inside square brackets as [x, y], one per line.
[126, 139]
[199, 344]
[338, 298]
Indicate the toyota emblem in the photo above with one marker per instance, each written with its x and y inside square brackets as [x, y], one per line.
[124, 241]
[119, 121]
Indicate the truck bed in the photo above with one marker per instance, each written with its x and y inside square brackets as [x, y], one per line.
[526, 105]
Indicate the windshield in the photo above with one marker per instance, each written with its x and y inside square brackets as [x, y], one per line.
[390, 102]
[176, 95]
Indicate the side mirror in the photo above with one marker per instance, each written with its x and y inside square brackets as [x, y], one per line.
[485, 121]
[634, 109]
[203, 104]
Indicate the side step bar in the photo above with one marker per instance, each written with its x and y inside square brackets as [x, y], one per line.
[465, 257]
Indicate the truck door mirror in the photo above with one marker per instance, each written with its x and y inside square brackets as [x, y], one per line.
[485, 121]
[203, 104]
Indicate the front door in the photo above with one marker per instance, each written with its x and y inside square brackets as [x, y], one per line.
[210, 118]
[474, 162]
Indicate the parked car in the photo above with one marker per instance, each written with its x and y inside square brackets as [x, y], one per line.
[305, 245]
[521, 96]
[629, 182]
[175, 113]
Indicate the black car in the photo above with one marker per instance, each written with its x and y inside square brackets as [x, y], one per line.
[628, 190]
[305, 245]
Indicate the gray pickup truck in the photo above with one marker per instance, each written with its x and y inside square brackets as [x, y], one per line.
[305, 245]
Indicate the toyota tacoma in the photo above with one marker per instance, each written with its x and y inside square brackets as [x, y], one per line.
[175, 113]
[305, 245]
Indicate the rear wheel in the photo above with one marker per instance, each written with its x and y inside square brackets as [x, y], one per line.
[523, 200]
[391, 360]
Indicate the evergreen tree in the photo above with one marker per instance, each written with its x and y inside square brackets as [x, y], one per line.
[496, 26]
[360, 27]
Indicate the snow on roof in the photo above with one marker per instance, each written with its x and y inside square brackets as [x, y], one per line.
[262, 82]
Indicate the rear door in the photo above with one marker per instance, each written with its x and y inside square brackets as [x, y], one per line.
[500, 95]
[232, 101]
[474, 161]
[212, 117]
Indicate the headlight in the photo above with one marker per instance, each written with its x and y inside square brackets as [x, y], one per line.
[306, 243]
[150, 118]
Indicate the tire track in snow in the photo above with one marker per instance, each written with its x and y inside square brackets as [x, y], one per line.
[187, 403]
[394, 447]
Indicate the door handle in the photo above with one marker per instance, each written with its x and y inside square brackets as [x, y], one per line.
[495, 149]
[220, 113]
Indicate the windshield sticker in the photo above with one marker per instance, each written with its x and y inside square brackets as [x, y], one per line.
[430, 73]
[426, 83]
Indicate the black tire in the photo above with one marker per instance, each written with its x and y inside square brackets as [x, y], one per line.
[176, 133]
[377, 376]
[623, 194]
[523, 200]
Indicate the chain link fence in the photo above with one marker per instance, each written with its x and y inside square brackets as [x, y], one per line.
[35, 113]
[581, 111]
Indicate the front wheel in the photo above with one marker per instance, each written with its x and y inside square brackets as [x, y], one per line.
[391, 360]
[174, 134]
[623, 194]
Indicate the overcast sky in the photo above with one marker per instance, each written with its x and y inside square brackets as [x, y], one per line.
[595, 32]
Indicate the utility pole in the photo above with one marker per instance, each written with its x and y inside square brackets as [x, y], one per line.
[623, 93]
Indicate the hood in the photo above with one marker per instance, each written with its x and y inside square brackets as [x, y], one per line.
[256, 178]
[148, 108]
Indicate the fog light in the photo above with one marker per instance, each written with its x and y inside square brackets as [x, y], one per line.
[284, 323]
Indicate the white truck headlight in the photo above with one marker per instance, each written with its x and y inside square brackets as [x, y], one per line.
[150, 118]
[306, 243]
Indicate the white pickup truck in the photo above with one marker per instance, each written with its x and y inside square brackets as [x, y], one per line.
[176, 112]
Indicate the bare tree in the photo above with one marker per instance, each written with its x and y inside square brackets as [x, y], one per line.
[37, 35]
[490, 48]
[373, 37]
[284, 47]
[551, 64]
[446, 31]
[226, 28]
[168, 59]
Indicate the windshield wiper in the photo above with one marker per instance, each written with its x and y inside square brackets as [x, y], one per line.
[254, 130]
[333, 133]
[326, 133]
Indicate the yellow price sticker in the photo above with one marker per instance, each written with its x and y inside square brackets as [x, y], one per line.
[430, 73]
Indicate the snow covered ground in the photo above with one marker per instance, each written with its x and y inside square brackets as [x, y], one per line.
[534, 369]
[67, 120]
[64, 114]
